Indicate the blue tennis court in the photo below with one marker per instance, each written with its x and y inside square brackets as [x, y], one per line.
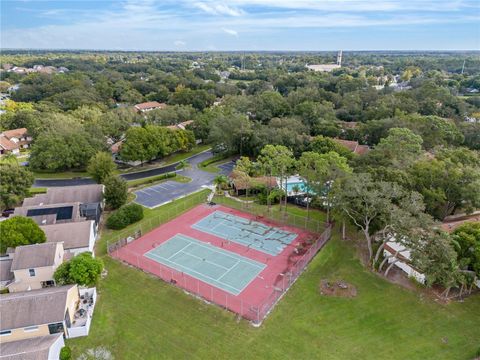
[268, 239]
[223, 269]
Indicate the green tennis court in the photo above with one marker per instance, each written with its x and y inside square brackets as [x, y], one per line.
[268, 239]
[223, 269]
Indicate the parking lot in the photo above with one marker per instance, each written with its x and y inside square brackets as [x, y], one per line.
[165, 192]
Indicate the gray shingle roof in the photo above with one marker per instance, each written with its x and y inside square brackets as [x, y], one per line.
[28, 349]
[74, 235]
[68, 194]
[34, 256]
[36, 307]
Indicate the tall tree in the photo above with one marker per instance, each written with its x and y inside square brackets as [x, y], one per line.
[101, 166]
[448, 182]
[20, 230]
[15, 181]
[116, 191]
[277, 160]
[377, 208]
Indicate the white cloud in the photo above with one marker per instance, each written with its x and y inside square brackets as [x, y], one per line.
[179, 43]
[230, 32]
[218, 9]
[166, 24]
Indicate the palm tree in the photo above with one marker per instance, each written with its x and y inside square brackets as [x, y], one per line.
[220, 181]
[296, 189]
[183, 164]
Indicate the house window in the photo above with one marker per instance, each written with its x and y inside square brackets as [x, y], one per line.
[31, 272]
[30, 328]
[55, 328]
[5, 332]
[48, 283]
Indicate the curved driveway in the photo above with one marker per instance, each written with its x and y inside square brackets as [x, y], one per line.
[193, 160]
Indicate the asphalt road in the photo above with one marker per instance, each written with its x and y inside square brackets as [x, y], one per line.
[167, 191]
[195, 159]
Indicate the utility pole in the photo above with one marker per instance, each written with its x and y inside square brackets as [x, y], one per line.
[463, 66]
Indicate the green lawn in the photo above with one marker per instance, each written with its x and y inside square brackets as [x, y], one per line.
[59, 175]
[153, 180]
[140, 317]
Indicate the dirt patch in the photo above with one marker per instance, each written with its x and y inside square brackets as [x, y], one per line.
[337, 288]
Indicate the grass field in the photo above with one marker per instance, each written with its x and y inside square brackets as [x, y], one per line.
[140, 317]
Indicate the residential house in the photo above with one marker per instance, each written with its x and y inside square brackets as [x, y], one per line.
[56, 310]
[85, 194]
[51, 214]
[180, 126]
[149, 106]
[33, 266]
[401, 255]
[77, 237]
[11, 141]
[64, 205]
[46, 347]
[353, 146]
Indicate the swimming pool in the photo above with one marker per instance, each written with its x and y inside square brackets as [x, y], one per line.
[302, 187]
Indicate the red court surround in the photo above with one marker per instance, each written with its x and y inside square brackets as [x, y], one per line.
[256, 300]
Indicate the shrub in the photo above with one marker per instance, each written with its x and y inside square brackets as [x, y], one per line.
[83, 269]
[275, 196]
[125, 216]
[65, 353]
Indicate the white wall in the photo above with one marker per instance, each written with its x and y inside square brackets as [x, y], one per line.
[54, 352]
[411, 272]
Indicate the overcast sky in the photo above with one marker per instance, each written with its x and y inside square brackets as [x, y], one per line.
[241, 24]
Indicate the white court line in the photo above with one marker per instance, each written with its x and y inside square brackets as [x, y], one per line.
[238, 262]
[238, 291]
[253, 243]
[176, 252]
[207, 261]
[236, 257]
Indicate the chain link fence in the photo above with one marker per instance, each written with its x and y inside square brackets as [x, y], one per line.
[255, 312]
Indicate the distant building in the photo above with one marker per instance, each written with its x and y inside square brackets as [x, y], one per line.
[353, 146]
[180, 126]
[11, 141]
[327, 67]
[149, 106]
